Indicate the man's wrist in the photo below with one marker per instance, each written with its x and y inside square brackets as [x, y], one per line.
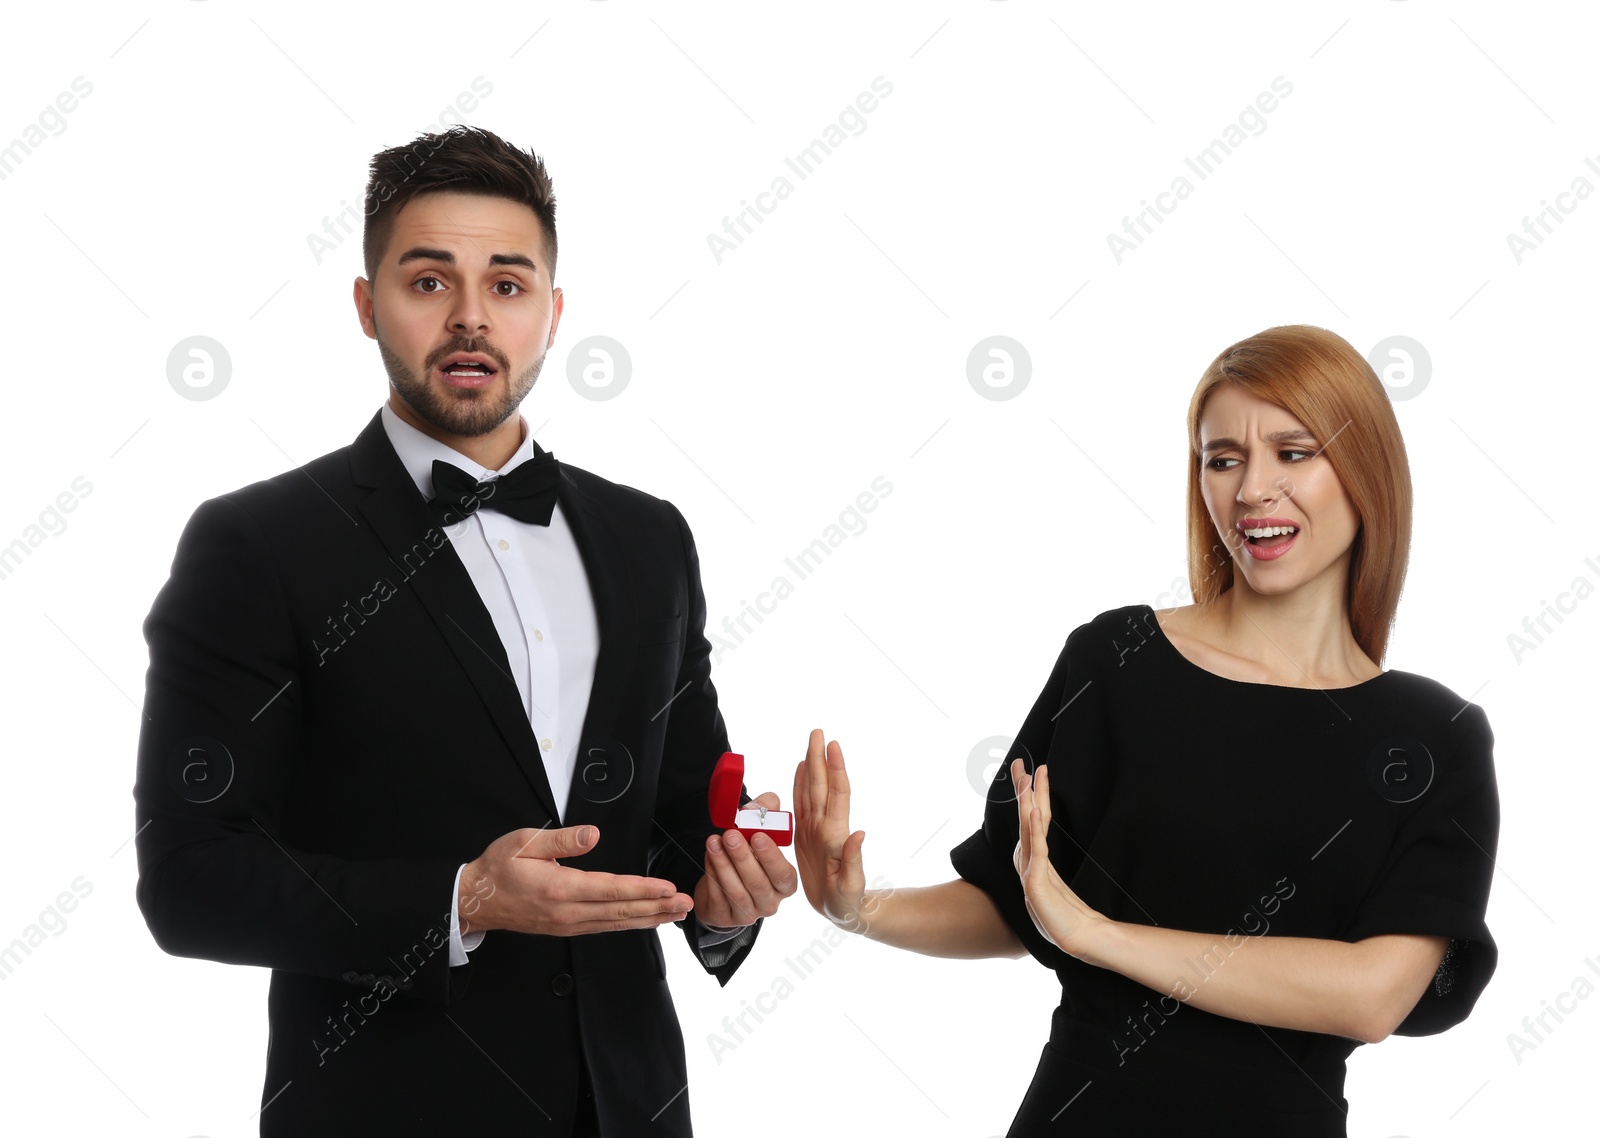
[472, 900]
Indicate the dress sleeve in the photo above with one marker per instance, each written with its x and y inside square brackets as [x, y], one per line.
[1067, 709]
[1436, 878]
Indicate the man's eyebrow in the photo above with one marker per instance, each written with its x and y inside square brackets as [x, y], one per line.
[1292, 435]
[423, 253]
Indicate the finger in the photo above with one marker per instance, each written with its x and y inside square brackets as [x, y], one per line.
[806, 855]
[719, 864]
[767, 798]
[801, 779]
[852, 875]
[1020, 858]
[602, 923]
[1041, 842]
[716, 910]
[1041, 780]
[1020, 779]
[838, 811]
[1023, 831]
[643, 913]
[568, 841]
[758, 887]
[816, 774]
[594, 885]
[779, 873]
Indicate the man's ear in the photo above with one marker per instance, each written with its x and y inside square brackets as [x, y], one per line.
[557, 305]
[366, 307]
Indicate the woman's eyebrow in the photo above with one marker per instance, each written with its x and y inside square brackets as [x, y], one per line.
[1275, 437]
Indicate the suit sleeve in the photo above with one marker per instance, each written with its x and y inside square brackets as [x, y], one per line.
[220, 764]
[695, 739]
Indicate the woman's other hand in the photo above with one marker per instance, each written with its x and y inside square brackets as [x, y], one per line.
[1058, 913]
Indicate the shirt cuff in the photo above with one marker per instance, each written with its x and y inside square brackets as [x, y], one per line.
[715, 934]
[459, 945]
[715, 952]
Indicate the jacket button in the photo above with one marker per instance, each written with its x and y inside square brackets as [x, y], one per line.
[561, 985]
[351, 977]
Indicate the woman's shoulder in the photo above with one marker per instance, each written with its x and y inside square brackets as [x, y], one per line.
[1100, 648]
[1455, 719]
[1108, 636]
[1124, 621]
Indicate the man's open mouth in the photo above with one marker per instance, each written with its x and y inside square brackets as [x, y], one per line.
[467, 366]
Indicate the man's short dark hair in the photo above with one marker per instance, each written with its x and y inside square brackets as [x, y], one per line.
[463, 159]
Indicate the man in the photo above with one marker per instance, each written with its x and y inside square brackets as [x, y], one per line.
[430, 723]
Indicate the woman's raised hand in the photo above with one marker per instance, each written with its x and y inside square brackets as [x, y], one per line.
[1058, 913]
[826, 852]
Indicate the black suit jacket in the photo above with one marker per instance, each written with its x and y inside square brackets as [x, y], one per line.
[332, 730]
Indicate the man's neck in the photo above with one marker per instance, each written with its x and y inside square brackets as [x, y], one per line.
[491, 451]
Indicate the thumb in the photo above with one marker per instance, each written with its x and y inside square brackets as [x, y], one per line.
[851, 854]
[569, 841]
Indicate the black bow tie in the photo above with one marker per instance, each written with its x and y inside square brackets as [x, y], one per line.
[528, 493]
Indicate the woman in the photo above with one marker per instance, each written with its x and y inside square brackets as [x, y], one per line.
[1265, 849]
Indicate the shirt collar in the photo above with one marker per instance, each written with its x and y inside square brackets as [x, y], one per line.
[417, 452]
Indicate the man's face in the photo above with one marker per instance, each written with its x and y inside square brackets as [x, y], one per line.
[463, 274]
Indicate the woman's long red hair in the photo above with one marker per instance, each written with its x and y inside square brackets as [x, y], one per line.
[1325, 383]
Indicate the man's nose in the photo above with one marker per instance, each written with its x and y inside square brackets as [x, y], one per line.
[469, 315]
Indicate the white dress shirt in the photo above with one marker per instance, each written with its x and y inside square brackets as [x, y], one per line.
[532, 581]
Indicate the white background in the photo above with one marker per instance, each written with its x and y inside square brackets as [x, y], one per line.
[767, 391]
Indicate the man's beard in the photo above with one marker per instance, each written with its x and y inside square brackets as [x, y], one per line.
[466, 411]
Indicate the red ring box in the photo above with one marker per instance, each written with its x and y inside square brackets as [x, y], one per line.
[727, 779]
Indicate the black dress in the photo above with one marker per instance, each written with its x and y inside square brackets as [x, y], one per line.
[1188, 800]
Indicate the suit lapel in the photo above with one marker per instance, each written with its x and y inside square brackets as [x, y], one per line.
[603, 768]
[403, 522]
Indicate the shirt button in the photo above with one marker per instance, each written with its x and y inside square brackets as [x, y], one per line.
[537, 635]
[562, 985]
[503, 543]
[546, 743]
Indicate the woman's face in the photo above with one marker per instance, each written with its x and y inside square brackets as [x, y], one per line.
[1262, 467]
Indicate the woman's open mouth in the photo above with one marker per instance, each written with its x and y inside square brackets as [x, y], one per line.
[1270, 542]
